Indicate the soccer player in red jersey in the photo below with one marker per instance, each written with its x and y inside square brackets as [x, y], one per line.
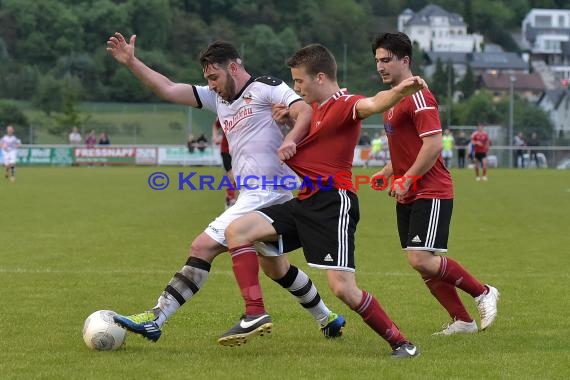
[481, 143]
[219, 138]
[424, 211]
[323, 218]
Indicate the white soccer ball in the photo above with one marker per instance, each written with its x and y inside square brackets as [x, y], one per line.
[101, 333]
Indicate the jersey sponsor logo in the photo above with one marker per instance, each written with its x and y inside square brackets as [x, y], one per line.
[243, 113]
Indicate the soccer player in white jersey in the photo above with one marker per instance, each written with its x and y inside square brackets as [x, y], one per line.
[243, 105]
[10, 144]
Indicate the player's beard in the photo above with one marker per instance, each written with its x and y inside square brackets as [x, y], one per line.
[229, 91]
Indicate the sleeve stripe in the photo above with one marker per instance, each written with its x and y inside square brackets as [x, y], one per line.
[295, 101]
[197, 97]
[420, 102]
[432, 132]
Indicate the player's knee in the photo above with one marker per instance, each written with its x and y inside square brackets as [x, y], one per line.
[421, 261]
[274, 267]
[348, 294]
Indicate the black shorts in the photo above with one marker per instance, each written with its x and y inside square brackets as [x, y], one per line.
[423, 225]
[227, 161]
[323, 225]
[479, 156]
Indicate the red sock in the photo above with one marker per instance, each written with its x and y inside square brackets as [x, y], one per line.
[447, 296]
[451, 272]
[246, 272]
[375, 317]
[231, 193]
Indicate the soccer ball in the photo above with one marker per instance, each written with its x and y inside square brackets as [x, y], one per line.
[101, 333]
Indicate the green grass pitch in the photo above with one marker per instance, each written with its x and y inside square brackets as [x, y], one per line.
[75, 240]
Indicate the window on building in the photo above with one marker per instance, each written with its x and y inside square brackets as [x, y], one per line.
[561, 23]
[543, 21]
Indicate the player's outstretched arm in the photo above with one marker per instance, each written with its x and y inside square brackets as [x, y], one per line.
[384, 100]
[124, 53]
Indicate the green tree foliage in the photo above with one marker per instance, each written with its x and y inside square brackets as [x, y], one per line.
[152, 20]
[467, 84]
[527, 118]
[266, 52]
[10, 114]
[480, 108]
[45, 29]
[438, 83]
[18, 81]
[67, 37]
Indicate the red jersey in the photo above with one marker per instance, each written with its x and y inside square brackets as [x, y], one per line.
[224, 146]
[414, 117]
[480, 141]
[328, 150]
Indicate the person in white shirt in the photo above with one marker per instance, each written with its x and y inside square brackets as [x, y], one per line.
[243, 105]
[10, 144]
[75, 137]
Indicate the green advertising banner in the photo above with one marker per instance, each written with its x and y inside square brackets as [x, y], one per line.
[45, 156]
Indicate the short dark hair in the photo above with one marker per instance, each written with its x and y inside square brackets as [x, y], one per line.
[398, 43]
[219, 52]
[316, 59]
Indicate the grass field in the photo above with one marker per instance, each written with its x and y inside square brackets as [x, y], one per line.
[75, 240]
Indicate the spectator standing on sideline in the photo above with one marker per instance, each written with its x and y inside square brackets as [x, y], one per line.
[448, 145]
[364, 139]
[91, 139]
[74, 137]
[202, 142]
[375, 149]
[461, 143]
[519, 143]
[104, 139]
[533, 143]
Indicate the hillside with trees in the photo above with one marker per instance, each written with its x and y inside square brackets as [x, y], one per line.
[52, 52]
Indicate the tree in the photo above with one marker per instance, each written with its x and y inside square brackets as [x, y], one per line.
[527, 118]
[151, 19]
[479, 108]
[438, 82]
[467, 84]
[266, 52]
[10, 114]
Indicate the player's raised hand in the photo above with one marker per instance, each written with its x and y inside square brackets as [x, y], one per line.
[411, 85]
[120, 49]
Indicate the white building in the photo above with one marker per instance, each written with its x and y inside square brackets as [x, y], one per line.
[435, 29]
[556, 103]
[547, 33]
